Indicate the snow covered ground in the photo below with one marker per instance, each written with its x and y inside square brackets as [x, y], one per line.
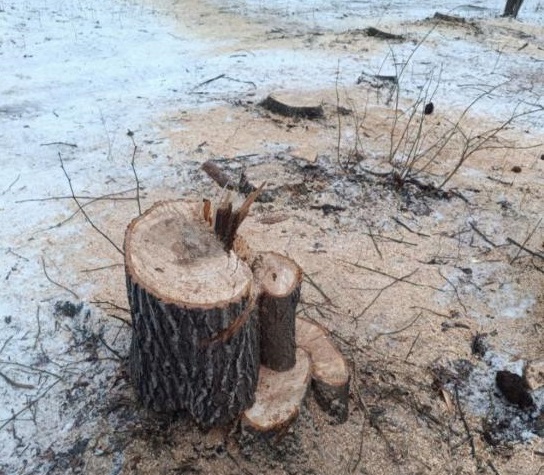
[75, 76]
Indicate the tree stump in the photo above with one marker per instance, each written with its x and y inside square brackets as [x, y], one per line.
[280, 279]
[194, 327]
[291, 106]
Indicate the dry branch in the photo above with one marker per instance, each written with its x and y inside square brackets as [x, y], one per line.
[83, 211]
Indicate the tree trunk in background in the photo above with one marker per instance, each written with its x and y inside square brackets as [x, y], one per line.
[194, 325]
[512, 8]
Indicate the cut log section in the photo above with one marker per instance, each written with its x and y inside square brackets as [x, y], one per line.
[290, 106]
[280, 279]
[330, 375]
[194, 326]
[279, 397]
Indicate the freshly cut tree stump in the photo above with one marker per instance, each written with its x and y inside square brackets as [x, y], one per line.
[194, 327]
[290, 106]
[280, 396]
[330, 375]
[280, 279]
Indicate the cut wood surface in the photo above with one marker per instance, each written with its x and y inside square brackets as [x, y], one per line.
[173, 253]
[194, 332]
[280, 279]
[279, 396]
[292, 106]
[330, 375]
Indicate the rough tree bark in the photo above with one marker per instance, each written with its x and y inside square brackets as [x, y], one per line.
[280, 279]
[194, 341]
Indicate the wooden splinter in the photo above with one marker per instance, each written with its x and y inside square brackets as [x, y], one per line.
[280, 279]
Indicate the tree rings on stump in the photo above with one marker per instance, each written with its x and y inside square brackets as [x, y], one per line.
[194, 327]
[330, 375]
[280, 279]
[291, 106]
[279, 397]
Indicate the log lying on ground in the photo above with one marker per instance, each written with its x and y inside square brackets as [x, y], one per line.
[330, 375]
[291, 107]
[374, 32]
[279, 397]
[280, 279]
[194, 327]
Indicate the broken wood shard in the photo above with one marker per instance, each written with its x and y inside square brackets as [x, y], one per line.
[330, 375]
[194, 327]
[228, 219]
[280, 279]
[279, 397]
[291, 107]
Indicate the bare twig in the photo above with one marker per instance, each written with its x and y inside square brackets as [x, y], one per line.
[454, 289]
[223, 76]
[522, 247]
[6, 343]
[111, 304]
[412, 346]
[68, 144]
[318, 288]
[382, 290]
[132, 164]
[84, 212]
[481, 234]
[376, 271]
[56, 283]
[102, 268]
[11, 185]
[400, 330]
[466, 426]
[31, 368]
[15, 384]
[29, 405]
[339, 134]
[121, 319]
[405, 226]
[108, 197]
[115, 352]
[39, 326]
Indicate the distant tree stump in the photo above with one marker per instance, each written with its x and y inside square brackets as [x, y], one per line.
[512, 7]
[194, 340]
[280, 279]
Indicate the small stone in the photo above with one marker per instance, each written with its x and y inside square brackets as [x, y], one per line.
[516, 169]
[429, 108]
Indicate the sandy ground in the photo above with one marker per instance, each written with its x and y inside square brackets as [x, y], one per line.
[405, 276]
